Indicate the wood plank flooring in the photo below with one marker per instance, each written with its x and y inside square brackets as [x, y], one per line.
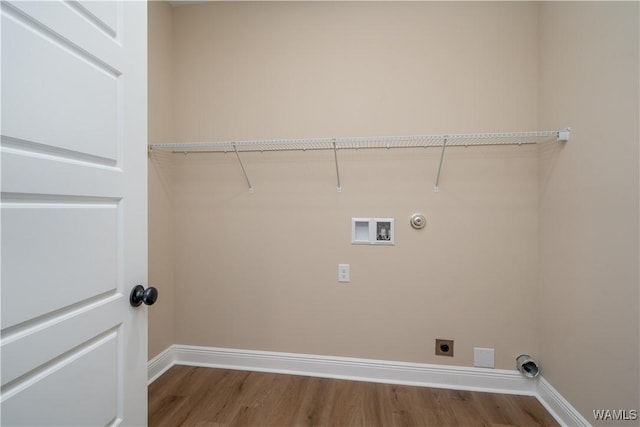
[204, 397]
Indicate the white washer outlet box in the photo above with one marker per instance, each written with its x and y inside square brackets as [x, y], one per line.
[484, 357]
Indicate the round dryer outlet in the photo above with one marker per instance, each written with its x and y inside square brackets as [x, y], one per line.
[418, 221]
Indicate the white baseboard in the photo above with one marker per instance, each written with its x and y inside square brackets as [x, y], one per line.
[558, 406]
[160, 364]
[370, 370]
[382, 371]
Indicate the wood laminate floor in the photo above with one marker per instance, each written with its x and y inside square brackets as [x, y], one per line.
[199, 397]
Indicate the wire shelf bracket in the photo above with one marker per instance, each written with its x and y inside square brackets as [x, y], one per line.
[436, 189]
[443, 141]
[246, 177]
[335, 156]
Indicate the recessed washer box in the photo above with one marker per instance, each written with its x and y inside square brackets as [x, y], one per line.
[372, 231]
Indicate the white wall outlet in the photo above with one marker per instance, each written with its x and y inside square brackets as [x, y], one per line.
[484, 357]
[344, 273]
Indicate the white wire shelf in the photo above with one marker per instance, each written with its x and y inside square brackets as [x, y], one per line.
[356, 143]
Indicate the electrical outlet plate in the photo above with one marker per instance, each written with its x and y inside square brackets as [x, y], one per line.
[483, 357]
[444, 347]
[344, 273]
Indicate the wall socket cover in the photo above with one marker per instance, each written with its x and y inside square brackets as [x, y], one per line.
[484, 357]
[344, 273]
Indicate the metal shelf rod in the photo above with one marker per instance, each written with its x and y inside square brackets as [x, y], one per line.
[357, 143]
[411, 141]
[262, 150]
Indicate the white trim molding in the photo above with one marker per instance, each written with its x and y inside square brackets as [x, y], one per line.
[558, 406]
[371, 370]
[160, 364]
[349, 368]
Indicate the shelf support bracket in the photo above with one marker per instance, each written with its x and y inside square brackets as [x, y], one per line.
[235, 148]
[436, 189]
[335, 156]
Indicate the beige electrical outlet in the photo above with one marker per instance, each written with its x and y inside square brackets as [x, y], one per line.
[444, 347]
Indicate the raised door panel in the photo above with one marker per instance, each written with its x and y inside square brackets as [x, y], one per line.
[70, 94]
[67, 247]
[85, 396]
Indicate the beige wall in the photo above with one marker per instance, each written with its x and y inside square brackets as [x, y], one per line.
[589, 324]
[161, 315]
[256, 70]
[259, 271]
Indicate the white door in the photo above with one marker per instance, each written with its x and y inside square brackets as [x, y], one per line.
[74, 213]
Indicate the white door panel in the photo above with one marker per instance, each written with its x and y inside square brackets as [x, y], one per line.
[73, 224]
[85, 384]
[75, 245]
[75, 174]
[75, 91]
[74, 28]
[71, 329]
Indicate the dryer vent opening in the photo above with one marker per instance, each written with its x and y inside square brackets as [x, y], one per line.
[527, 366]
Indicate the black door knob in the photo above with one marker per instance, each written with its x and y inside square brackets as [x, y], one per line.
[141, 295]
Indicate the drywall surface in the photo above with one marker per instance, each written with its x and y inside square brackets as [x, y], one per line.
[589, 317]
[259, 271]
[161, 315]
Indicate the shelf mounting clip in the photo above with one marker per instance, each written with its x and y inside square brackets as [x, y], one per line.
[563, 135]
